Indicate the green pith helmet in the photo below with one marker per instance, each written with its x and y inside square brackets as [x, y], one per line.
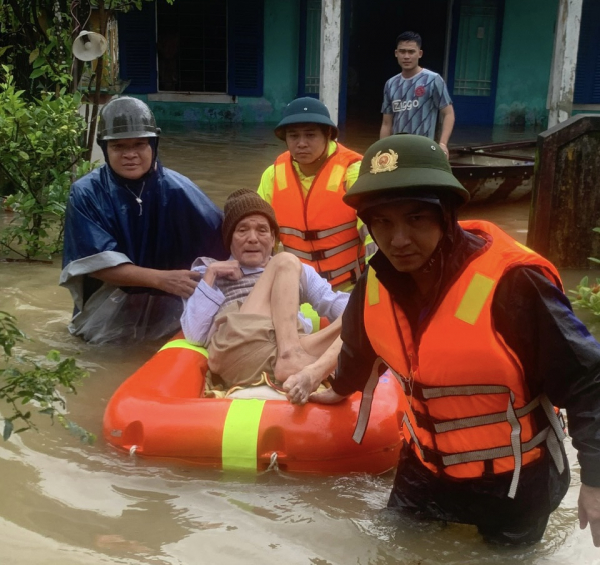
[305, 110]
[404, 165]
[126, 117]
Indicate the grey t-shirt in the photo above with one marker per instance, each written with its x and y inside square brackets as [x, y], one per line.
[415, 102]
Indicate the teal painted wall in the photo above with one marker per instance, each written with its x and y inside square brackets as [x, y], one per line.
[525, 61]
[280, 77]
[282, 30]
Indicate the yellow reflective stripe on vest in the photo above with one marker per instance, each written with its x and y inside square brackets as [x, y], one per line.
[524, 247]
[240, 434]
[280, 176]
[310, 314]
[335, 178]
[372, 287]
[184, 344]
[474, 298]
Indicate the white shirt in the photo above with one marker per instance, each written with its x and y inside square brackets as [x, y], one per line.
[202, 307]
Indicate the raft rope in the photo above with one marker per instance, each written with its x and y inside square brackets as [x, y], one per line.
[273, 465]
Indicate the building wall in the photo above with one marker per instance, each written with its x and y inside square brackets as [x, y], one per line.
[280, 77]
[282, 28]
[525, 62]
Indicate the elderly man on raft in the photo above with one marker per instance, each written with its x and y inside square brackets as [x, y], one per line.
[245, 310]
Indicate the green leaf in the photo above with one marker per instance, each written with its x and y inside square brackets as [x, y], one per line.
[34, 55]
[53, 355]
[37, 73]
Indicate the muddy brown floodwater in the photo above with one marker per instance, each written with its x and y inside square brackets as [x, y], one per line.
[65, 503]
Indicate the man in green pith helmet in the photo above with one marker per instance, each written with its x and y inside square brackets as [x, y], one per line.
[478, 332]
[305, 186]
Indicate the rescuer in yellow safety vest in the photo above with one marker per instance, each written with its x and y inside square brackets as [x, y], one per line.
[306, 185]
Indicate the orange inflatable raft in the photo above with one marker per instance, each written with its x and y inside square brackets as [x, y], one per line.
[158, 412]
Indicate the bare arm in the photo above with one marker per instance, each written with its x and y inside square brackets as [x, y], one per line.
[386, 126]
[181, 283]
[447, 116]
[300, 385]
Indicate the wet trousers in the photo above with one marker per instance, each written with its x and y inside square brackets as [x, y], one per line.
[482, 501]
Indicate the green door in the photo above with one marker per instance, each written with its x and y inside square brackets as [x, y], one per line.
[474, 53]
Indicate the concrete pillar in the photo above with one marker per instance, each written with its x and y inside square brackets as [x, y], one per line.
[564, 61]
[331, 55]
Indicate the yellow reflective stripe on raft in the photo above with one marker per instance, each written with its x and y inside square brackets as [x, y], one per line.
[280, 175]
[240, 434]
[184, 344]
[474, 298]
[335, 178]
[372, 287]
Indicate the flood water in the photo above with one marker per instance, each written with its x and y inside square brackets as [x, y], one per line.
[66, 503]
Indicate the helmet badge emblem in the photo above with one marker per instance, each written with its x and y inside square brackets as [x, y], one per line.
[384, 162]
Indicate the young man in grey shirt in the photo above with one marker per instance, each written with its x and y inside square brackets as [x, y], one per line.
[413, 98]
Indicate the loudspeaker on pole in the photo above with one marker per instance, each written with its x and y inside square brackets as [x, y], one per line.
[89, 45]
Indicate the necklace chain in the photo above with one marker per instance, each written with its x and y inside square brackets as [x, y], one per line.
[138, 198]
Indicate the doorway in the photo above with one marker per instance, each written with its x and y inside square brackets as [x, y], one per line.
[373, 29]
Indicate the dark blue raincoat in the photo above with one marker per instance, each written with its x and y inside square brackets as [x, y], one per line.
[106, 226]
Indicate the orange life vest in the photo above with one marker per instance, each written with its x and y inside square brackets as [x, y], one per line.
[321, 229]
[467, 407]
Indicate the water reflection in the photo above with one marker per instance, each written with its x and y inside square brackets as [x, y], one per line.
[72, 504]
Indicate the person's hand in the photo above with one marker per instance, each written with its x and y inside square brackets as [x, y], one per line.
[299, 386]
[180, 283]
[589, 511]
[223, 270]
[328, 396]
[445, 150]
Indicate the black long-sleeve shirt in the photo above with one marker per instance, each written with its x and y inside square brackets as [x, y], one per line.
[534, 317]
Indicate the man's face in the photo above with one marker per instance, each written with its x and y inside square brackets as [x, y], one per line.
[252, 241]
[408, 55]
[130, 158]
[306, 142]
[407, 232]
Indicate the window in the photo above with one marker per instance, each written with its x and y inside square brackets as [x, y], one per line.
[205, 46]
[192, 45]
[587, 78]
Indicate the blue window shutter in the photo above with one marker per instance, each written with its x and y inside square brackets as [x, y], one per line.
[587, 77]
[137, 49]
[245, 56]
